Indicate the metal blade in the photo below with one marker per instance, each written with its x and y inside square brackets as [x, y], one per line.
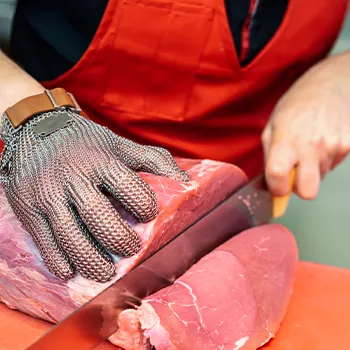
[95, 321]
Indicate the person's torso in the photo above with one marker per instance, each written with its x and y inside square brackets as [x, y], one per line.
[199, 77]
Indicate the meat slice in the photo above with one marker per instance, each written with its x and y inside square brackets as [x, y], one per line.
[233, 298]
[25, 283]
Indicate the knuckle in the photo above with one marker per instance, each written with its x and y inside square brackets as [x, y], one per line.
[277, 170]
[345, 144]
[332, 144]
[161, 151]
[313, 141]
[52, 207]
[166, 153]
[316, 142]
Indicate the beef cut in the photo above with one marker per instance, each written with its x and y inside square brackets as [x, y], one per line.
[233, 298]
[25, 283]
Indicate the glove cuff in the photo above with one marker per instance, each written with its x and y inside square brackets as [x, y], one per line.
[50, 100]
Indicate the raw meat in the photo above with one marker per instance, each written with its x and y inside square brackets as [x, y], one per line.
[233, 298]
[317, 315]
[26, 285]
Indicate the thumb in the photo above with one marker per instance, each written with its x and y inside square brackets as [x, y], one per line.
[266, 139]
[281, 159]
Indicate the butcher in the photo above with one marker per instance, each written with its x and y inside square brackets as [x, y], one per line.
[94, 91]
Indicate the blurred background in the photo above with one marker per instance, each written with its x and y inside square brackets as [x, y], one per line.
[321, 227]
[7, 8]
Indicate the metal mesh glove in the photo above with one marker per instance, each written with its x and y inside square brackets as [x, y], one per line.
[55, 182]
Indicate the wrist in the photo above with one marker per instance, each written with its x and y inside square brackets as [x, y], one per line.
[12, 95]
[16, 84]
[49, 101]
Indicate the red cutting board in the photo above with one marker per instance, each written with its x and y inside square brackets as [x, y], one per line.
[318, 316]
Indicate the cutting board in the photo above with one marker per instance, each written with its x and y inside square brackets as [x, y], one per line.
[318, 316]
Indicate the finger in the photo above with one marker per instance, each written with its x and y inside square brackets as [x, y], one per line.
[3, 179]
[159, 161]
[326, 161]
[130, 190]
[266, 139]
[343, 150]
[308, 178]
[339, 158]
[281, 160]
[103, 221]
[328, 152]
[53, 256]
[154, 160]
[86, 255]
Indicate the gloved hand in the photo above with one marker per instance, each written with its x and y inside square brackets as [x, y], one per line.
[54, 182]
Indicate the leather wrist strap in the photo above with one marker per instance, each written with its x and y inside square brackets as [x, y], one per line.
[49, 100]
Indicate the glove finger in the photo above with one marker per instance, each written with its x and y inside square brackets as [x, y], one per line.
[3, 179]
[154, 160]
[87, 256]
[159, 161]
[53, 256]
[103, 221]
[130, 190]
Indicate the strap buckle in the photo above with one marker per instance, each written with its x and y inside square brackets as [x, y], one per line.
[60, 108]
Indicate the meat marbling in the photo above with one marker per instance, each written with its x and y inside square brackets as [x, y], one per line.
[25, 283]
[233, 298]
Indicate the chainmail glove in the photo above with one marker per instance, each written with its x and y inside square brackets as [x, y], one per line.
[55, 182]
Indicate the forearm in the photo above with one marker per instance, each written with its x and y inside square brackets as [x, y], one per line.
[330, 74]
[15, 83]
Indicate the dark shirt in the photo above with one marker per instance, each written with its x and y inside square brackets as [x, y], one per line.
[60, 31]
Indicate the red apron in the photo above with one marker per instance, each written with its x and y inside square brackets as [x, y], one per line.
[165, 72]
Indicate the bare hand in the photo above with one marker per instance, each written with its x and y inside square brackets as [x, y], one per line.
[308, 130]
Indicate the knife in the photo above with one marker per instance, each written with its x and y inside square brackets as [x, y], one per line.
[96, 320]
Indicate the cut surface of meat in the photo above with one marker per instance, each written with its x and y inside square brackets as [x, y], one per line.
[25, 283]
[317, 315]
[233, 298]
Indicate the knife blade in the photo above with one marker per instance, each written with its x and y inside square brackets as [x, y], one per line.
[96, 320]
